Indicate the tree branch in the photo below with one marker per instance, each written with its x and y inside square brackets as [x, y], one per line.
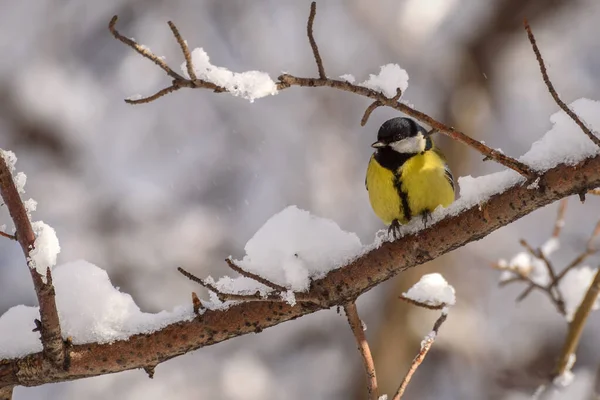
[594, 138]
[336, 288]
[312, 41]
[363, 347]
[576, 326]
[425, 347]
[287, 81]
[52, 342]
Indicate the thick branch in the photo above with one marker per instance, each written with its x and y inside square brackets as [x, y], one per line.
[336, 288]
[363, 347]
[49, 323]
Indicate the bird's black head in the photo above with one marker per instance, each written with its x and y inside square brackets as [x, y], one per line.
[403, 135]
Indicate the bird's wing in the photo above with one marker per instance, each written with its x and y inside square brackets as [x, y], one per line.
[447, 172]
[371, 159]
[448, 175]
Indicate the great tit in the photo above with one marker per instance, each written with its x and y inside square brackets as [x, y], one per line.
[407, 176]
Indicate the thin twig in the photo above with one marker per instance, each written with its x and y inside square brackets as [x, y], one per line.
[363, 348]
[589, 251]
[255, 277]
[257, 296]
[553, 290]
[178, 80]
[151, 98]
[590, 243]
[376, 104]
[185, 50]
[423, 305]
[560, 217]
[221, 295]
[50, 332]
[8, 235]
[520, 276]
[425, 347]
[142, 50]
[311, 39]
[552, 91]
[576, 326]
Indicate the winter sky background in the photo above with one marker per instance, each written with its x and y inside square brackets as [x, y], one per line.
[186, 180]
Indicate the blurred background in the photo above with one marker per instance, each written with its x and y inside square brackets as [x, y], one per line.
[187, 180]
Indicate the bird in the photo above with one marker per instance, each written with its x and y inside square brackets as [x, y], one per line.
[407, 176]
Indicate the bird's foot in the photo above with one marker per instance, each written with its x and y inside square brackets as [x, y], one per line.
[394, 229]
[425, 217]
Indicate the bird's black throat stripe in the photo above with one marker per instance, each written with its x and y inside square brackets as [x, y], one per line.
[392, 160]
[403, 197]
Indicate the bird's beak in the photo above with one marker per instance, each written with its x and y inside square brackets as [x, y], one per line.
[378, 145]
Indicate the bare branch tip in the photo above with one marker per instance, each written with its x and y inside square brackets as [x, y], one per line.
[113, 22]
[313, 43]
[561, 104]
[196, 303]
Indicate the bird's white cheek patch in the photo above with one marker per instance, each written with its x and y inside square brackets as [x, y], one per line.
[410, 145]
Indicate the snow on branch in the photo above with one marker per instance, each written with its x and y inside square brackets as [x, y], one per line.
[40, 253]
[384, 88]
[284, 282]
[574, 290]
[373, 265]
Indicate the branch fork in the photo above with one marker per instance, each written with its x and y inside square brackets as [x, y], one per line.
[54, 350]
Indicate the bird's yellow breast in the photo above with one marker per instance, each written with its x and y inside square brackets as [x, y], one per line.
[422, 178]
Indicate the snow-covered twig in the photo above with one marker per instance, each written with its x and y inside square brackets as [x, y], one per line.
[425, 347]
[256, 277]
[434, 293]
[178, 80]
[49, 325]
[592, 135]
[551, 287]
[363, 347]
[274, 296]
[287, 80]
